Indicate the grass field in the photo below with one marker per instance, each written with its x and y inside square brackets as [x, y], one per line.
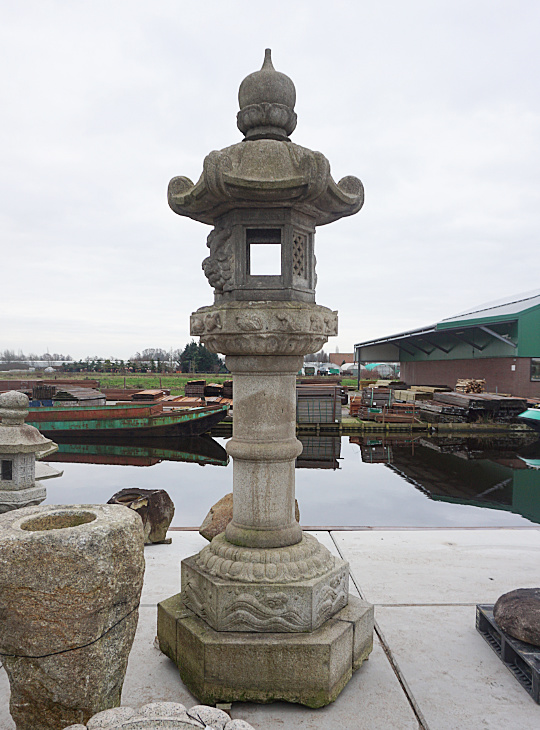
[174, 383]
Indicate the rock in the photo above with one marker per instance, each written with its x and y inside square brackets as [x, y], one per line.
[154, 507]
[518, 613]
[172, 715]
[221, 514]
[70, 584]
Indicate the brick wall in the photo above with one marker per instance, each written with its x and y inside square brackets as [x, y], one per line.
[497, 372]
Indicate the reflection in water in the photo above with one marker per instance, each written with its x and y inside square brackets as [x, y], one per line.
[153, 450]
[500, 472]
[398, 481]
[319, 452]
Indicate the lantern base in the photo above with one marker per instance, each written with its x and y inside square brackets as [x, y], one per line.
[311, 668]
[16, 498]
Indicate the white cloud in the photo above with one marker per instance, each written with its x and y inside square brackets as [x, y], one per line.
[434, 105]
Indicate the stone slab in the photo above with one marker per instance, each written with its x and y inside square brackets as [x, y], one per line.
[372, 700]
[454, 676]
[310, 668]
[162, 577]
[151, 676]
[440, 566]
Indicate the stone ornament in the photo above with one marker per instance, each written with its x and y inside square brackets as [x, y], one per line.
[310, 668]
[19, 445]
[306, 560]
[518, 613]
[171, 715]
[70, 584]
[261, 595]
[267, 114]
[219, 266]
[220, 514]
[264, 328]
[154, 507]
[290, 589]
[267, 172]
[296, 606]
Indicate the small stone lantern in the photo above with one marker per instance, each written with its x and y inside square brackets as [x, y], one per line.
[265, 612]
[19, 444]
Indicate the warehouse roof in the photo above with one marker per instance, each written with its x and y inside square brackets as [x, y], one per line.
[501, 310]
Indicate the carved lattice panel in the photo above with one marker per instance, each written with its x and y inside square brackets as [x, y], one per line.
[299, 255]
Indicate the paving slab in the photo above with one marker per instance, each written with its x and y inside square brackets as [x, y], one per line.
[455, 677]
[162, 574]
[440, 566]
[372, 700]
[151, 676]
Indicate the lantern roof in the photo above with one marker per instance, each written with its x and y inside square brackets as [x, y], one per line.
[15, 435]
[266, 170]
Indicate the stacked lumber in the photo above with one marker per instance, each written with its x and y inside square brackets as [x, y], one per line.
[470, 385]
[412, 396]
[318, 403]
[41, 391]
[469, 407]
[434, 412]
[214, 390]
[228, 389]
[182, 401]
[320, 380]
[119, 393]
[431, 388]
[355, 403]
[377, 397]
[195, 388]
[152, 394]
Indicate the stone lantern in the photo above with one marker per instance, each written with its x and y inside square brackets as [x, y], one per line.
[265, 612]
[19, 444]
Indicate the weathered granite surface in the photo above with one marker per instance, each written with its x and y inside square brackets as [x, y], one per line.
[259, 614]
[221, 513]
[70, 583]
[154, 507]
[290, 589]
[518, 613]
[171, 715]
[309, 668]
[19, 444]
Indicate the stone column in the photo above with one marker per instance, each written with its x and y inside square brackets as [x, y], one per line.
[264, 448]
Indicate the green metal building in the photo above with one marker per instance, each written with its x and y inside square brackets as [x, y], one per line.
[498, 342]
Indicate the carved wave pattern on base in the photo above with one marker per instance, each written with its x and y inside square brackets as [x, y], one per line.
[271, 613]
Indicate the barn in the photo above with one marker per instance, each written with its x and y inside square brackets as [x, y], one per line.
[498, 342]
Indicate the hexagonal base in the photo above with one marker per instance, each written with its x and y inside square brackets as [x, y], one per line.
[298, 606]
[11, 499]
[310, 668]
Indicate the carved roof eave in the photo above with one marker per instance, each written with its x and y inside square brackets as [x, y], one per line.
[295, 178]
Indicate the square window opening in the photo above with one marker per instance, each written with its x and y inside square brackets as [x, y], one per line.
[7, 470]
[264, 251]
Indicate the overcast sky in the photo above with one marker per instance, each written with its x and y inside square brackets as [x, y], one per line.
[434, 104]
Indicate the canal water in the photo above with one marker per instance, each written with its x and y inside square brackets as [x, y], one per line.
[361, 480]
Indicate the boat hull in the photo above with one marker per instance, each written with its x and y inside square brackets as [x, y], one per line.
[531, 417]
[132, 422]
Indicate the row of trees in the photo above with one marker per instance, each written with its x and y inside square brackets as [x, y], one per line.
[10, 356]
[193, 358]
[320, 356]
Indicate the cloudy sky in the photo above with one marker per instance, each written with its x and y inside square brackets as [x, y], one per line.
[434, 104]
